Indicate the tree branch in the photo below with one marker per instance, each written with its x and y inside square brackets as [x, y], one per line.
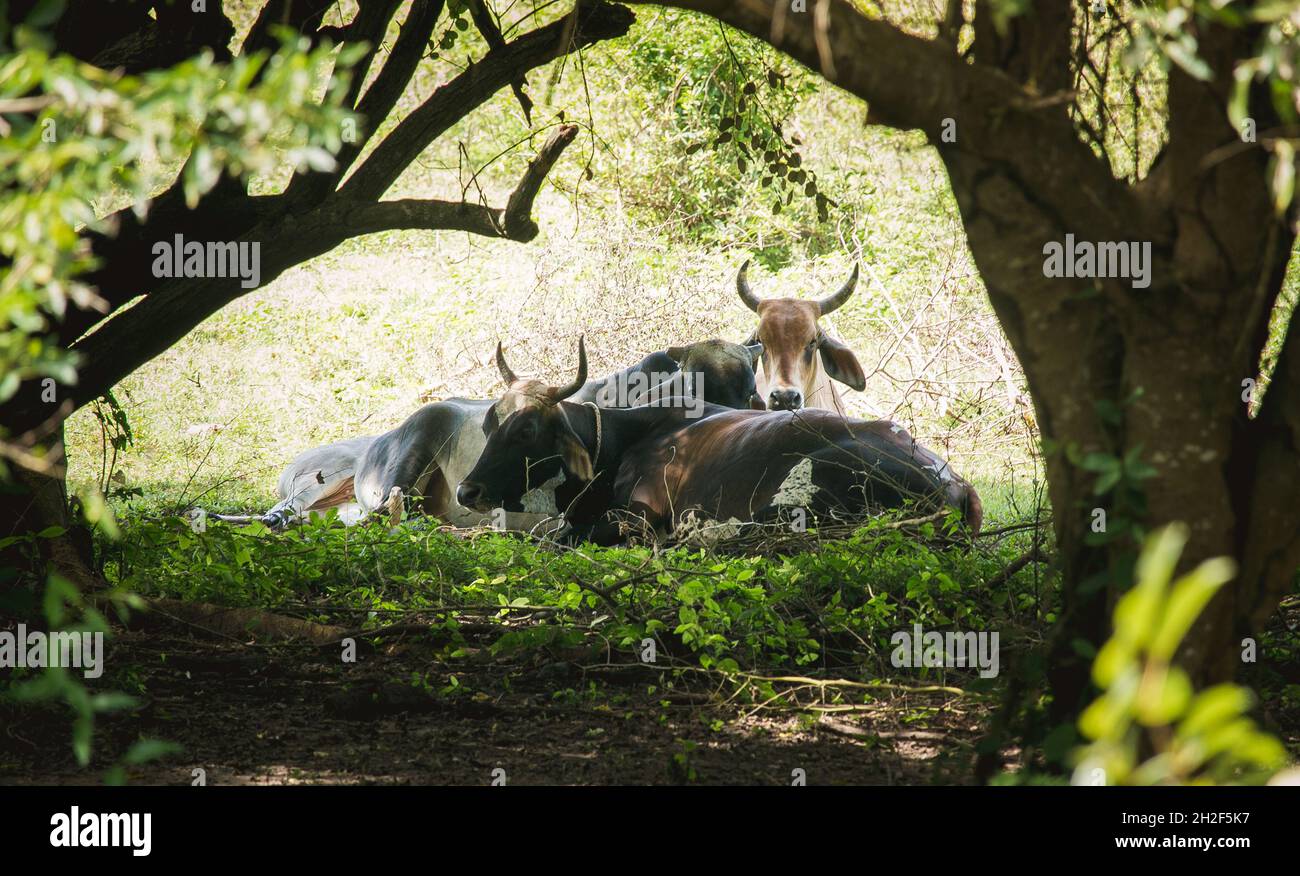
[149, 328]
[137, 35]
[487, 26]
[292, 232]
[369, 26]
[518, 213]
[386, 90]
[303, 16]
[309, 187]
[451, 102]
[514, 222]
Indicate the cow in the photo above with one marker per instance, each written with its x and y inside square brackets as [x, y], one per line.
[799, 359]
[319, 479]
[667, 466]
[429, 453]
[715, 371]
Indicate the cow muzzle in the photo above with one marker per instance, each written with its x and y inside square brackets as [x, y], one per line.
[470, 495]
[784, 400]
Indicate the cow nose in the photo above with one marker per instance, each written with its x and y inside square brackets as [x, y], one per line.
[785, 399]
[468, 493]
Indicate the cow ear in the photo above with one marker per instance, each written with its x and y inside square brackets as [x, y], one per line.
[576, 458]
[755, 353]
[677, 354]
[490, 421]
[841, 364]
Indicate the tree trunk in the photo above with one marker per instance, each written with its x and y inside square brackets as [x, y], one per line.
[1156, 373]
[33, 502]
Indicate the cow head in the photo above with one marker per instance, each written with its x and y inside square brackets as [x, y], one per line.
[529, 443]
[792, 342]
[726, 369]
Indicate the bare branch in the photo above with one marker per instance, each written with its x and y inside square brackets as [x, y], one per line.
[175, 306]
[381, 96]
[369, 26]
[518, 212]
[303, 16]
[514, 222]
[491, 32]
[451, 102]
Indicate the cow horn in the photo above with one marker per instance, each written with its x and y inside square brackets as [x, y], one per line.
[834, 302]
[742, 286]
[506, 374]
[578, 382]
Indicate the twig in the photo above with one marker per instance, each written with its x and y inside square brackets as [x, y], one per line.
[1015, 566]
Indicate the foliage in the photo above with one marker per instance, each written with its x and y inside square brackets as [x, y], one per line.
[98, 136]
[1168, 36]
[835, 607]
[66, 610]
[735, 97]
[1149, 726]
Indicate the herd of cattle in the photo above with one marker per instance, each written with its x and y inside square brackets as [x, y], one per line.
[726, 432]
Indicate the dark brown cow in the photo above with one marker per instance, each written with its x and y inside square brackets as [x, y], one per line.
[728, 465]
[799, 359]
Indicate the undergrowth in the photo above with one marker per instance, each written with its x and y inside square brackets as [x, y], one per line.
[832, 609]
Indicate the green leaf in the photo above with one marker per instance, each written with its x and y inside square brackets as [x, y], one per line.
[113, 701]
[146, 750]
[1106, 482]
[45, 13]
[1185, 57]
[1283, 176]
[1190, 595]
[1113, 658]
[1155, 565]
[1163, 696]
[1212, 707]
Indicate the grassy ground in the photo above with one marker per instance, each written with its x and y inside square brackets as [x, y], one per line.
[736, 664]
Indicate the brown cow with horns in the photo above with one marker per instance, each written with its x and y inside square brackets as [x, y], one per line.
[799, 359]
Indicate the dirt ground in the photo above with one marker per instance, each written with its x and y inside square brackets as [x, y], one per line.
[249, 713]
